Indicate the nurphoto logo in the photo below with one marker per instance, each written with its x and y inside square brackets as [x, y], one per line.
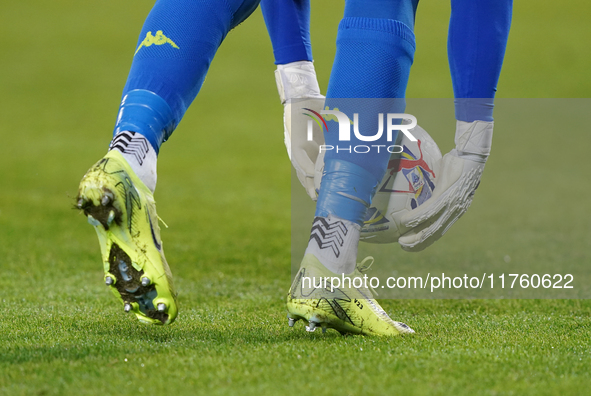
[394, 122]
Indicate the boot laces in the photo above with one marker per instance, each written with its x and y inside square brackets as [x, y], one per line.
[365, 266]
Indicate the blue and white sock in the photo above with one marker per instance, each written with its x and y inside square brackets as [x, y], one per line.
[140, 155]
[334, 242]
[176, 46]
[373, 60]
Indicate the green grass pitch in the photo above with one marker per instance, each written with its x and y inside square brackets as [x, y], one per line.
[224, 190]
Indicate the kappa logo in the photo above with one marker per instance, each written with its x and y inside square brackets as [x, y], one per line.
[159, 39]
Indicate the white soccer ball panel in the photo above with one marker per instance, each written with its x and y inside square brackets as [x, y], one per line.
[409, 181]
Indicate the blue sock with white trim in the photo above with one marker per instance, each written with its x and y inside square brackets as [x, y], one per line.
[373, 60]
[176, 46]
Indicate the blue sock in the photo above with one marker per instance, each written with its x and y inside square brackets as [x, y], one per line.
[400, 10]
[288, 24]
[373, 60]
[176, 46]
[478, 32]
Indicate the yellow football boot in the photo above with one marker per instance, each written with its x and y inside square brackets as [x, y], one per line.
[123, 212]
[338, 304]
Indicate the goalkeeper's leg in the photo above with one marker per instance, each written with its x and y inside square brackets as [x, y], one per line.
[176, 46]
[375, 48]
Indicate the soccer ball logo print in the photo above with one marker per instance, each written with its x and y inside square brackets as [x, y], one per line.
[409, 181]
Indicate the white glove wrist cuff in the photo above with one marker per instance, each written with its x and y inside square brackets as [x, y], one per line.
[474, 138]
[297, 80]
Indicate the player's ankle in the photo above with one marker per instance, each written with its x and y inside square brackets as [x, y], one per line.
[140, 155]
[334, 242]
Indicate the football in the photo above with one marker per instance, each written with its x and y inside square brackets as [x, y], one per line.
[409, 181]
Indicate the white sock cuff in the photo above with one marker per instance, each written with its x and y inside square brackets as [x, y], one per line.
[140, 155]
[334, 242]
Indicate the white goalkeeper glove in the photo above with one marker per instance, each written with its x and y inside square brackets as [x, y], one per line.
[298, 89]
[459, 176]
